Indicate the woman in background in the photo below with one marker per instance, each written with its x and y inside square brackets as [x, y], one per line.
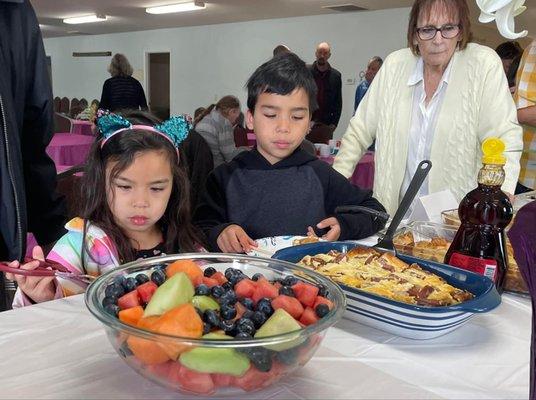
[122, 91]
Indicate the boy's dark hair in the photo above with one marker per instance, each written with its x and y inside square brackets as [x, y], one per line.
[179, 234]
[282, 75]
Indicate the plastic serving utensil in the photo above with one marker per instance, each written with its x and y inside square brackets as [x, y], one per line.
[386, 242]
[46, 268]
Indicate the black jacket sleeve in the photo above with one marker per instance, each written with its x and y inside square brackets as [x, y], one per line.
[142, 101]
[337, 100]
[339, 192]
[105, 96]
[46, 210]
[211, 214]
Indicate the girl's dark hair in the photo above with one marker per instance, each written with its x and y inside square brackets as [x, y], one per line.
[224, 105]
[178, 231]
[282, 75]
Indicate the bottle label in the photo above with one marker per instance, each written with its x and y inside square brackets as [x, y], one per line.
[482, 266]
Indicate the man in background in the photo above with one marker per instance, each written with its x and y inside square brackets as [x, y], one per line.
[329, 96]
[27, 175]
[373, 67]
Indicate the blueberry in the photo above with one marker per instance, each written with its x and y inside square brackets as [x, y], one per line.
[112, 309]
[206, 328]
[290, 281]
[227, 286]
[108, 300]
[245, 325]
[114, 290]
[287, 291]
[120, 280]
[237, 277]
[243, 336]
[288, 357]
[141, 279]
[228, 326]
[258, 319]
[321, 310]
[209, 272]
[230, 273]
[130, 284]
[211, 317]
[322, 291]
[247, 314]
[248, 303]
[228, 297]
[217, 291]
[202, 290]
[158, 277]
[161, 267]
[228, 312]
[261, 358]
[257, 276]
[264, 305]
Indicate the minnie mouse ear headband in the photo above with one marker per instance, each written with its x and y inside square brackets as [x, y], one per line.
[174, 129]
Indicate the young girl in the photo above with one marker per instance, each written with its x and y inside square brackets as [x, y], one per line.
[136, 205]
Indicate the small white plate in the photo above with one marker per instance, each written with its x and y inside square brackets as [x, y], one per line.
[269, 245]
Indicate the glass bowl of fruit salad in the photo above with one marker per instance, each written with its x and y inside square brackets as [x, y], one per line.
[215, 324]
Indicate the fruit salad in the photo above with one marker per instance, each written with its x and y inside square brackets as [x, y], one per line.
[189, 299]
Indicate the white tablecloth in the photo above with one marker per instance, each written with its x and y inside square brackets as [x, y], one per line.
[58, 350]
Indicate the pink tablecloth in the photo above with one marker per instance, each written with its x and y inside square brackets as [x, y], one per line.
[69, 148]
[81, 127]
[363, 175]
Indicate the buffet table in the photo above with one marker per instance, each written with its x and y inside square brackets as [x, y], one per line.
[58, 350]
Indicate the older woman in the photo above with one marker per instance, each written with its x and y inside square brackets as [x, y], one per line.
[122, 91]
[216, 126]
[438, 100]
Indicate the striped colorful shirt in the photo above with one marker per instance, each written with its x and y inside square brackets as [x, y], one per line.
[525, 96]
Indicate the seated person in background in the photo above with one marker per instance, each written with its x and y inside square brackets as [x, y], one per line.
[510, 55]
[215, 124]
[240, 132]
[277, 188]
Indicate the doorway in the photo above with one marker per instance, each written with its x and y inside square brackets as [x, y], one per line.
[159, 84]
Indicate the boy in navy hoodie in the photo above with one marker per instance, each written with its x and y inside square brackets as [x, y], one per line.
[277, 188]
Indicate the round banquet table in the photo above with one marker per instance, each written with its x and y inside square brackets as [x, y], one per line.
[363, 175]
[69, 148]
[58, 350]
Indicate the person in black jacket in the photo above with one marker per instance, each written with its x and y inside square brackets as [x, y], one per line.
[278, 188]
[27, 175]
[122, 91]
[329, 88]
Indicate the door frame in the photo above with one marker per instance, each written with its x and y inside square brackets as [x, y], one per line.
[147, 70]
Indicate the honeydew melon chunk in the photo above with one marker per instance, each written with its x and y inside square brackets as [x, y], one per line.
[280, 322]
[174, 292]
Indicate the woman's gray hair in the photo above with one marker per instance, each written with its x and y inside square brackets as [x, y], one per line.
[119, 66]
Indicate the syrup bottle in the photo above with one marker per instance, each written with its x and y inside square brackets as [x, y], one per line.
[480, 243]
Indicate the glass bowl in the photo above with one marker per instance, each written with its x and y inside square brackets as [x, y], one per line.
[269, 358]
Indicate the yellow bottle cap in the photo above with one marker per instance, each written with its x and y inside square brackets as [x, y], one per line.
[493, 149]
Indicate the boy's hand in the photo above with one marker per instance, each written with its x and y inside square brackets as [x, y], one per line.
[334, 229]
[234, 239]
[38, 288]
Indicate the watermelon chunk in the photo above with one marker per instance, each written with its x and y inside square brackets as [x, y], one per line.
[290, 304]
[309, 317]
[245, 288]
[129, 300]
[219, 277]
[195, 382]
[322, 300]
[305, 293]
[209, 281]
[264, 289]
[222, 380]
[146, 291]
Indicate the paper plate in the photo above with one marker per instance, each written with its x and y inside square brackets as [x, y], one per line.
[269, 245]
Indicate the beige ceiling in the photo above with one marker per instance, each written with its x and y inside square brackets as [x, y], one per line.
[129, 15]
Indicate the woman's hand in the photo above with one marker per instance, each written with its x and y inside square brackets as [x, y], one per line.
[334, 229]
[38, 288]
[234, 239]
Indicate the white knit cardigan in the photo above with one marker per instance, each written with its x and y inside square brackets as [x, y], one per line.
[477, 105]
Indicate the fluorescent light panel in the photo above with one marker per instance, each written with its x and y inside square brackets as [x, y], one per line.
[85, 19]
[173, 8]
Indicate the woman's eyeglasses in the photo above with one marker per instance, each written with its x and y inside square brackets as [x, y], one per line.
[447, 31]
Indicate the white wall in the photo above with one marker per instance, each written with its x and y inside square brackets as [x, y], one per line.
[208, 62]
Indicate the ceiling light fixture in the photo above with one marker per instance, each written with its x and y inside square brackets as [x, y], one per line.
[85, 19]
[173, 8]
